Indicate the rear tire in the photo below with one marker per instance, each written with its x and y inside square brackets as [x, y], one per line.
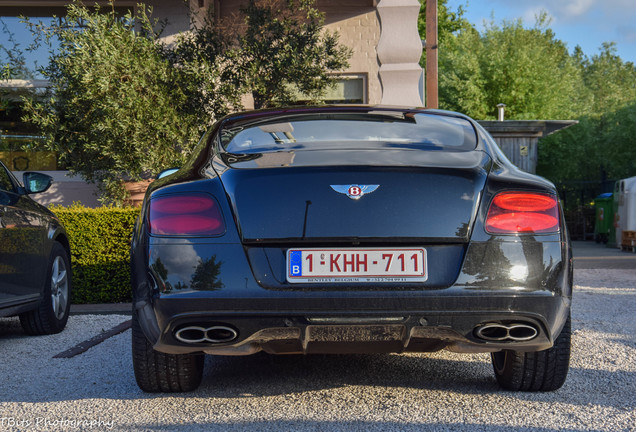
[160, 372]
[51, 315]
[535, 371]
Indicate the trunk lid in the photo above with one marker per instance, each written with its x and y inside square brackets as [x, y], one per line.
[301, 197]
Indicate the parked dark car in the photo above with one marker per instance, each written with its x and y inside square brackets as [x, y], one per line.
[35, 270]
[350, 230]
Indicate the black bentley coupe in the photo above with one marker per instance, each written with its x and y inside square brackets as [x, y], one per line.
[350, 230]
[35, 269]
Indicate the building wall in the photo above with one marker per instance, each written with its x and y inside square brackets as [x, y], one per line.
[66, 190]
[356, 21]
[176, 13]
[519, 139]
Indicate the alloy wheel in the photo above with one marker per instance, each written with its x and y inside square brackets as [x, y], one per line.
[59, 287]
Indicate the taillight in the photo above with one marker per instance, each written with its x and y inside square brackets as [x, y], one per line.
[181, 215]
[523, 212]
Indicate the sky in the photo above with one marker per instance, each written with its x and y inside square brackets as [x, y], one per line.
[587, 23]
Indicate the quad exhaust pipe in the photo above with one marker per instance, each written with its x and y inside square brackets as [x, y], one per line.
[199, 334]
[517, 332]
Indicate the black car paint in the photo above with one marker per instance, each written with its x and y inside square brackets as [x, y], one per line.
[472, 272]
[394, 211]
[27, 233]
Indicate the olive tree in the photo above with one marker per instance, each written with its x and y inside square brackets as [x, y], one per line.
[275, 50]
[117, 108]
[124, 106]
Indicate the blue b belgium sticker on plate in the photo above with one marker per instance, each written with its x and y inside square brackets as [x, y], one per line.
[295, 263]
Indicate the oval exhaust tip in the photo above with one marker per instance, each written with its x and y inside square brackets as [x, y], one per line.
[496, 332]
[199, 334]
[522, 332]
[492, 332]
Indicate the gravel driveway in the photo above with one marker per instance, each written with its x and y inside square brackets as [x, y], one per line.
[96, 390]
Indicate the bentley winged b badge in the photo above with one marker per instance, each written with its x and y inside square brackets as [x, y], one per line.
[354, 191]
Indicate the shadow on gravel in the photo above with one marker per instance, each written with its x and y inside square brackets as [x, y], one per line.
[10, 328]
[268, 375]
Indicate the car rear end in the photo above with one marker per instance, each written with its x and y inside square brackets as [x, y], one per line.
[398, 245]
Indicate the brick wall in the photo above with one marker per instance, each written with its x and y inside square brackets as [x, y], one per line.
[177, 14]
[359, 29]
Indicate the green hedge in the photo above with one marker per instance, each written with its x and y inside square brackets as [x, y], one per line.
[100, 251]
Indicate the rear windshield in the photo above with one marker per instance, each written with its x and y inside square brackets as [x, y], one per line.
[349, 131]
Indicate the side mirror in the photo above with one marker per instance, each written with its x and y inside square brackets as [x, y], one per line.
[166, 172]
[35, 182]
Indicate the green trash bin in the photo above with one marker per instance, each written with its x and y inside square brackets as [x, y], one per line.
[604, 221]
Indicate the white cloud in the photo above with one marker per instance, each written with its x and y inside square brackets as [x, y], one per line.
[567, 10]
[575, 8]
[530, 15]
[180, 260]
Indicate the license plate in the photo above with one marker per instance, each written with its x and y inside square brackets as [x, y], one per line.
[356, 265]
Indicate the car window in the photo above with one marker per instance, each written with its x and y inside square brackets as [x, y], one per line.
[5, 180]
[346, 130]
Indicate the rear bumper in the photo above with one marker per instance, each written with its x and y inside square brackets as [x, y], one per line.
[502, 282]
[299, 326]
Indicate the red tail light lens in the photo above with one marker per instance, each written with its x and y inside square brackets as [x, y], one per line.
[523, 212]
[183, 215]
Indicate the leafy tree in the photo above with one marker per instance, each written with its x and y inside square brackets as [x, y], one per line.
[611, 80]
[449, 23]
[116, 108]
[12, 60]
[124, 106]
[461, 81]
[597, 149]
[208, 79]
[206, 275]
[275, 49]
[618, 143]
[12, 66]
[570, 154]
[602, 146]
[529, 70]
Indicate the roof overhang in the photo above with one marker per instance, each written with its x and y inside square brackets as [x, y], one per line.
[525, 128]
